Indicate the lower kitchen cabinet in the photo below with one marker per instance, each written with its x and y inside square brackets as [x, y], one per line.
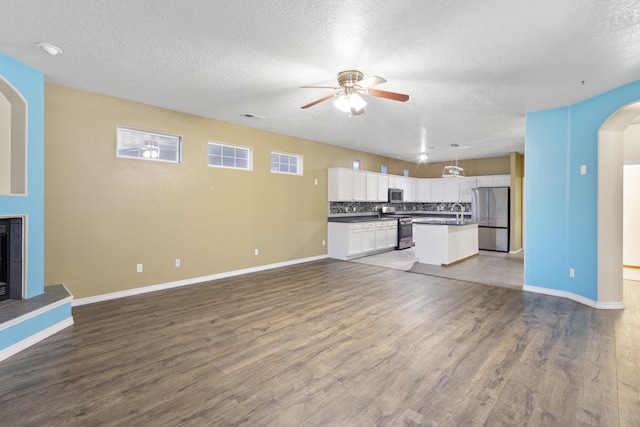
[352, 240]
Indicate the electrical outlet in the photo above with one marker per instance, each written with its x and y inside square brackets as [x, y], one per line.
[572, 272]
[583, 169]
[177, 262]
[315, 181]
[139, 268]
[256, 252]
[324, 242]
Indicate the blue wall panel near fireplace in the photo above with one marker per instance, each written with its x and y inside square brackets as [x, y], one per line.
[31, 325]
[30, 84]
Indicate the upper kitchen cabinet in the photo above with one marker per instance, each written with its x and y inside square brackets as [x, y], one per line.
[359, 186]
[493, 181]
[445, 190]
[377, 187]
[383, 188]
[423, 190]
[466, 185]
[346, 185]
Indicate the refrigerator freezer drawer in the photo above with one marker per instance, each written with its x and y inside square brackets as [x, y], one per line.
[493, 239]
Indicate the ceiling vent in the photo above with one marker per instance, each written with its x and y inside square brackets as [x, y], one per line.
[252, 116]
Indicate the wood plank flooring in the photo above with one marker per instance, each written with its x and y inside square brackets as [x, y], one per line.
[333, 343]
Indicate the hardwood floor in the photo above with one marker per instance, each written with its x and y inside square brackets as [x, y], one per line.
[333, 343]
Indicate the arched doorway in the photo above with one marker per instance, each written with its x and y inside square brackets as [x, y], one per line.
[610, 185]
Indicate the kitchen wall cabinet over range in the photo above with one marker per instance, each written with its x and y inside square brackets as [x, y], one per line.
[352, 240]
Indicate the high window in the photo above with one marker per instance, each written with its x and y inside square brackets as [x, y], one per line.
[146, 145]
[230, 156]
[286, 163]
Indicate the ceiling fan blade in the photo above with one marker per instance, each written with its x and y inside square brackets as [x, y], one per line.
[388, 95]
[319, 87]
[318, 101]
[371, 81]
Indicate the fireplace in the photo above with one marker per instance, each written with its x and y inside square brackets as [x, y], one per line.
[11, 262]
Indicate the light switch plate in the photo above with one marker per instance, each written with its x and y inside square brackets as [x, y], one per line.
[583, 169]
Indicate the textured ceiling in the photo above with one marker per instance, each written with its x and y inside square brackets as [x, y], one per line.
[472, 68]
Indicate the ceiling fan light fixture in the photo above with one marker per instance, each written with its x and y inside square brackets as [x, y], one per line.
[347, 103]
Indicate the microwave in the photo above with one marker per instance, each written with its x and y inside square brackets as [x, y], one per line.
[395, 195]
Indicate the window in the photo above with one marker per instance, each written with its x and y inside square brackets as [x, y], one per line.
[286, 163]
[230, 156]
[145, 145]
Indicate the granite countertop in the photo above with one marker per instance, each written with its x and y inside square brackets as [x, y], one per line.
[359, 218]
[418, 216]
[443, 221]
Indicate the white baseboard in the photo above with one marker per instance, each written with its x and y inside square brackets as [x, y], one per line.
[33, 339]
[517, 251]
[187, 282]
[613, 305]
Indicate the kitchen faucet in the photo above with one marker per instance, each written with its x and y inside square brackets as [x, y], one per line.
[459, 214]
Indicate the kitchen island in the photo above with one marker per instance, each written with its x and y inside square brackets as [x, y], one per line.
[444, 241]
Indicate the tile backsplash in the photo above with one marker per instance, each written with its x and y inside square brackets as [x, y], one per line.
[367, 208]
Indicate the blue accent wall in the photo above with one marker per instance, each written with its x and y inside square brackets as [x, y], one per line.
[30, 83]
[562, 205]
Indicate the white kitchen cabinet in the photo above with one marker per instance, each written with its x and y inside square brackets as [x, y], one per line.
[355, 239]
[372, 187]
[368, 236]
[383, 188]
[452, 189]
[502, 181]
[438, 190]
[340, 185]
[381, 234]
[359, 186]
[494, 181]
[352, 240]
[392, 234]
[423, 190]
[395, 181]
[408, 188]
[466, 185]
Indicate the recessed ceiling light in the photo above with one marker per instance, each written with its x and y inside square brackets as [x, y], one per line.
[49, 48]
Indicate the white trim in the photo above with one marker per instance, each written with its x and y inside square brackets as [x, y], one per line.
[516, 251]
[35, 313]
[187, 282]
[613, 305]
[34, 339]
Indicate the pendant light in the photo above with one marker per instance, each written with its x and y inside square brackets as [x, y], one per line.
[453, 171]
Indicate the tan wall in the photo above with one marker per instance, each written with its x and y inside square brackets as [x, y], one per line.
[475, 167]
[104, 214]
[517, 196]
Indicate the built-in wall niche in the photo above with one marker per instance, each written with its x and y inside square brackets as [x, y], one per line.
[13, 140]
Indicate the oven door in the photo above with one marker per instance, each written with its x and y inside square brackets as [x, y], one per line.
[405, 233]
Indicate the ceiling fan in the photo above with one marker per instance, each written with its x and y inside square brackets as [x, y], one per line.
[352, 84]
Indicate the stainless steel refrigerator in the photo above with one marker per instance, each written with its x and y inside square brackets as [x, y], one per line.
[490, 209]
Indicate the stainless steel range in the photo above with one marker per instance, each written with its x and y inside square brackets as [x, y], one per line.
[405, 227]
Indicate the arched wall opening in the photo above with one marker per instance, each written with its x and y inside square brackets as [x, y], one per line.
[13, 140]
[610, 201]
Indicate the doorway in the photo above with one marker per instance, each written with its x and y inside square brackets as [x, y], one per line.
[610, 204]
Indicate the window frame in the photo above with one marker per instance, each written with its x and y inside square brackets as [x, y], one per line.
[234, 146]
[177, 138]
[298, 157]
